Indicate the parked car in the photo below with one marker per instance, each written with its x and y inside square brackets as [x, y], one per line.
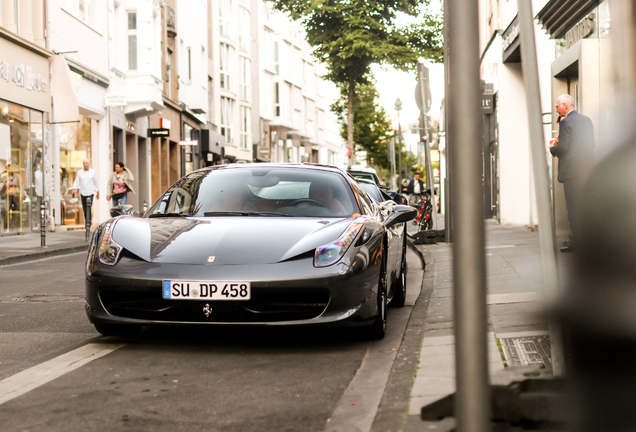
[251, 244]
[358, 172]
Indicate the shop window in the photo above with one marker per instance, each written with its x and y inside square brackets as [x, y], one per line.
[75, 146]
[20, 164]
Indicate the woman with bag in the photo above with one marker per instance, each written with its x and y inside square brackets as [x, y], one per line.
[119, 185]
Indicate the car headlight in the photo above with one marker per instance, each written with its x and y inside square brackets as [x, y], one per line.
[109, 249]
[330, 253]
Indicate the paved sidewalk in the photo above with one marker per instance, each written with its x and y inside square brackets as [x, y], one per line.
[517, 333]
[22, 248]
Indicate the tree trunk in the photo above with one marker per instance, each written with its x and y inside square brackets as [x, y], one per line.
[350, 146]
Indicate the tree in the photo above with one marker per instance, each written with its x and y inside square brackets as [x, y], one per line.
[371, 128]
[348, 36]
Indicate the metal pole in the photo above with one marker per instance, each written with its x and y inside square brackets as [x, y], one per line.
[547, 237]
[399, 152]
[448, 180]
[472, 401]
[430, 179]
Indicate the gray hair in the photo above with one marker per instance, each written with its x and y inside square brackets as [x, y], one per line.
[566, 98]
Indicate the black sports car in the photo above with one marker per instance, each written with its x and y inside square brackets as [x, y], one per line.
[264, 244]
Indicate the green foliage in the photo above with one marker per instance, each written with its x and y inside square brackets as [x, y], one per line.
[350, 35]
[371, 128]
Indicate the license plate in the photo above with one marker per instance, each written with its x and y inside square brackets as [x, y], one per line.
[206, 290]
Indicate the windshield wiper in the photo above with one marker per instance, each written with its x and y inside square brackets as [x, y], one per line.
[156, 215]
[245, 213]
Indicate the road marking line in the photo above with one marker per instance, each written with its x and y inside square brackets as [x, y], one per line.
[32, 378]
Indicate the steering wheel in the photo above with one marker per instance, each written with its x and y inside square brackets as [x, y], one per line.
[308, 200]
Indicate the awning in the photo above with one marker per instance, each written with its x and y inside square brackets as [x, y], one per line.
[559, 16]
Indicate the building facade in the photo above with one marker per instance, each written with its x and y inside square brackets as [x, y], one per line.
[25, 103]
[164, 87]
[508, 180]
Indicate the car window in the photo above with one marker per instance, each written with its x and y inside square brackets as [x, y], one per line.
[253, 190]
[372, 190]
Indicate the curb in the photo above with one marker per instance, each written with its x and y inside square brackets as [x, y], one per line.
[18, 259]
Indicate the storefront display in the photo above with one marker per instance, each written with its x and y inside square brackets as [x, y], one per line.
[20, 168]
[75, 146]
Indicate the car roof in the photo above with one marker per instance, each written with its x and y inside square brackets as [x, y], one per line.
[306, 165]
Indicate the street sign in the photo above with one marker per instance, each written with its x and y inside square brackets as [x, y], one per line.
[188, 143]
[158, 132]
[423, 81]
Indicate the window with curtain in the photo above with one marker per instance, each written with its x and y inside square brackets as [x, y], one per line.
[225, 63]
[132, 40]
[244, 29]
[245, 132]
[245, 85]
[227, 119]
[225, 15]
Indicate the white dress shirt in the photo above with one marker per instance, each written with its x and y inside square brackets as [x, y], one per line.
[86, 182]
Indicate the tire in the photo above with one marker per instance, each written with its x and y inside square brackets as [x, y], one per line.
[117, 329]
[377, 330]
[429, 223]
[399, 293]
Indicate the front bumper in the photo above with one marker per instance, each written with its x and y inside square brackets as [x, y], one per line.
[289, 293]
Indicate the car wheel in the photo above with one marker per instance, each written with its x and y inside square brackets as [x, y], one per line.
[117, 329]
[377, 330]
[399, 293]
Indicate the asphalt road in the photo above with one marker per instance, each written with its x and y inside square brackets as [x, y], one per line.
[172, 378]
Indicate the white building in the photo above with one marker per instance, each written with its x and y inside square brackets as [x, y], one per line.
[134, 30]
[291, 107]
[508, 178]
[79, 31]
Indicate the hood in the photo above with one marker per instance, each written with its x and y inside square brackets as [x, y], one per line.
[233, 240]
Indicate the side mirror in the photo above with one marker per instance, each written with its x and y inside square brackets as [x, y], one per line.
[400, 213]
[399, 199]
[122, 210]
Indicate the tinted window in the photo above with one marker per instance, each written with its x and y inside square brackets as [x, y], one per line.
[259, 190]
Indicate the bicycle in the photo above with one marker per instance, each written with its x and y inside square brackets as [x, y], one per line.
[425, 215]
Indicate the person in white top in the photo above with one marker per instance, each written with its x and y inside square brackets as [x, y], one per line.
[86, 182]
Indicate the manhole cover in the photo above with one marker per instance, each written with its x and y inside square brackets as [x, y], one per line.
[50, 298]
[528, 350]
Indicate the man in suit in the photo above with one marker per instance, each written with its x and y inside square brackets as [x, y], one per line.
[415, 188]
[574, 149]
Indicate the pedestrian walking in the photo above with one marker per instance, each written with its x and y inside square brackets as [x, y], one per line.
[119, 185]
[86, 183]
[574, 148]
[415, 188]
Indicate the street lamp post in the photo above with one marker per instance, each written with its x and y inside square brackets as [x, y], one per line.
[398, 108]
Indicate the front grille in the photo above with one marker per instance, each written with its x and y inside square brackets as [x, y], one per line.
[270, 305]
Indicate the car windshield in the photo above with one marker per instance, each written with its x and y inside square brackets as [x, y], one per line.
[258, 191]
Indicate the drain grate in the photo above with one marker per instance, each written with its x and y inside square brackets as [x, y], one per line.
[527, 351]
[49, 298]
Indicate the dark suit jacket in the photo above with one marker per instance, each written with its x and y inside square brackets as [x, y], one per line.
[412, 186]
[575, 148]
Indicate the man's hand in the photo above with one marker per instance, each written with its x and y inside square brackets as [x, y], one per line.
[96, 195]
[107, 197]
